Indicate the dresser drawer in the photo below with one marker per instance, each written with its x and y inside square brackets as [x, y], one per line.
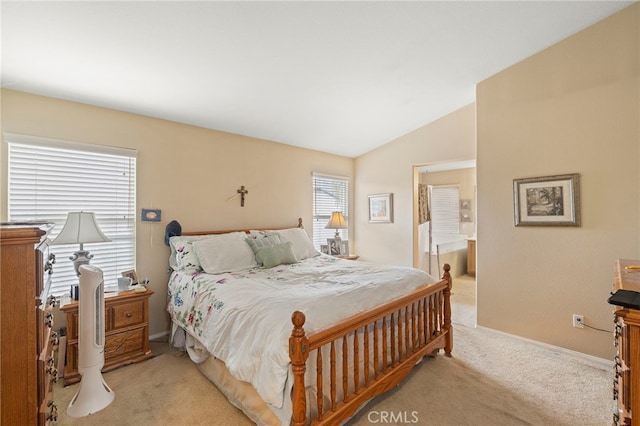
[125, 314]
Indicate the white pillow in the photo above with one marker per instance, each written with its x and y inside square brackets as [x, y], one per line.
[183, 255]
[300, 242]
[218, 255]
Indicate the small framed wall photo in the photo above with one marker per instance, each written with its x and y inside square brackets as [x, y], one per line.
[381, 208]
[547, 201]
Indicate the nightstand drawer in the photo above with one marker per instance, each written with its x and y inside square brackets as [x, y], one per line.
[125, 314]
[124, 343]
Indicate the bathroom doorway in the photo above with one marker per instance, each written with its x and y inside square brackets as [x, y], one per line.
[445, 229]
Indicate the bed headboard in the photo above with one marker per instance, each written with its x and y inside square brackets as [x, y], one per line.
[174, 228]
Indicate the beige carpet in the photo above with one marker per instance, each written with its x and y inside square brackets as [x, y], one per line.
[492, 379]
[463, 301]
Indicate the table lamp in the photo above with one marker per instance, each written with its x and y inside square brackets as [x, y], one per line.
[80, 228]
[336, 222]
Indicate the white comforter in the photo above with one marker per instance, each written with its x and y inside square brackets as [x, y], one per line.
[244, 318]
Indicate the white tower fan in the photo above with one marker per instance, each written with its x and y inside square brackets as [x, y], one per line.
[94, 394]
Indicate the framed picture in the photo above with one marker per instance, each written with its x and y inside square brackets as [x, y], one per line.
[131, 274]
[465, 216]
[344, 248]
[547, 201]
[465, 204]
[151, 215]
[324, 248]
[336, 247]
[381, 208]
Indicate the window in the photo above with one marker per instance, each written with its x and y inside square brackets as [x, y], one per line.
[445, 209]
[330, 194]
[49, 178]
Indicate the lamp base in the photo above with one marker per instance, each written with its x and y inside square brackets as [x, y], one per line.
[79, 258]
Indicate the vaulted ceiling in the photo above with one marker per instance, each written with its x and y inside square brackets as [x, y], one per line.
[340, 77]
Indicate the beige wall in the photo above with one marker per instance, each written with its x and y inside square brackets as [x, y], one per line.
[187, 172]
[390, 168]
[572, 108]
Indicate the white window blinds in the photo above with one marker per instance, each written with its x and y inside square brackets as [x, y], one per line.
[330, 194]
[445, 209]
[48, 179]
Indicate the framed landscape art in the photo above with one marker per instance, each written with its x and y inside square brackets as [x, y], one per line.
[547, 200]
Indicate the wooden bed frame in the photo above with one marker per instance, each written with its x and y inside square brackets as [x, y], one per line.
[403, 332]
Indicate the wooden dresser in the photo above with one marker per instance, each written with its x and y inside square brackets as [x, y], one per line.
[626, 383]
[27, 342]
[126, 332]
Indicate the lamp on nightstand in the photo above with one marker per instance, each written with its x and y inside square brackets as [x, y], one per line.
[337, 222]
[80, 228]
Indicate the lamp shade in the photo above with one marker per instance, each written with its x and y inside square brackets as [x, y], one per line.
[80, 227]
[337, 221]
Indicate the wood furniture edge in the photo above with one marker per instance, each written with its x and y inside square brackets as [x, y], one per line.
[245, 230]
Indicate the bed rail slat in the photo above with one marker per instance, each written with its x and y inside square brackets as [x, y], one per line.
[319, 383]
[366, 355]
[333, 376]
[376, 350]
[345, 369]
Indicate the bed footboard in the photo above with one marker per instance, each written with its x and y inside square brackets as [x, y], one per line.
[368, 353]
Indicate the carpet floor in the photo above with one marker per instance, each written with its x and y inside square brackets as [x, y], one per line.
[492, 379]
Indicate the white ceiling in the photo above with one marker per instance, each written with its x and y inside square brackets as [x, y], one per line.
[340, 77]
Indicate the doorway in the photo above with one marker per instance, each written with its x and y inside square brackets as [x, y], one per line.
[445, 229]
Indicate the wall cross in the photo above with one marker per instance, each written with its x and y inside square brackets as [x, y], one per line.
[242, 193]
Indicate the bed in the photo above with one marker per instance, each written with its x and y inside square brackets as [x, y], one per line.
[293, 336]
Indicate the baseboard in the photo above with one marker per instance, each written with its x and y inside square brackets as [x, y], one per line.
[159, 335]
[593, 361]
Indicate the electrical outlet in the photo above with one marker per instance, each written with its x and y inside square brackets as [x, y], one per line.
[578, 321]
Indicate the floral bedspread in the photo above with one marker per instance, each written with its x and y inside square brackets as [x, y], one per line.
[244, 318]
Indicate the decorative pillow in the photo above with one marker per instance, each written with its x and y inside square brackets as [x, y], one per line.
[300, 242]
[277, 254]
[267, 241]
[218, 255]
[182, 254]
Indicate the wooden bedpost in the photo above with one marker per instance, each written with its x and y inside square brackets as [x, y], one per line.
[300, 225]
[298, 353]
[447, 310]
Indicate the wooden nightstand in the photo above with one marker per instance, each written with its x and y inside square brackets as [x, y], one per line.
[349, 257]
[126, 332]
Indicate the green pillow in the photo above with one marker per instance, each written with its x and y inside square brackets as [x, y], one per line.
[256, 243]
[277, 254]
